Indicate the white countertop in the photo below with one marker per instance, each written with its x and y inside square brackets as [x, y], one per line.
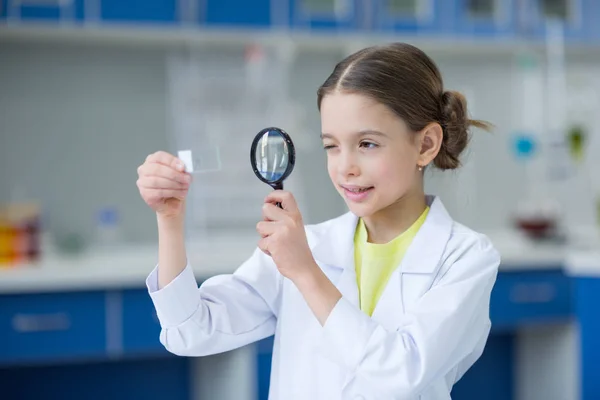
[119, 267]
[583, 263]
[518, 252]
[129, 266]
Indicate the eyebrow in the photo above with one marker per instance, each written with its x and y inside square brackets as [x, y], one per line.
[359, 134]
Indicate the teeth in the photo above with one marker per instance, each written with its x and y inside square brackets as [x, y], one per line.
[358, 190]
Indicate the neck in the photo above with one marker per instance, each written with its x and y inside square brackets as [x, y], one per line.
[388, 223]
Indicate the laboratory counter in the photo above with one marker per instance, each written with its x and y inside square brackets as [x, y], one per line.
[128, 266]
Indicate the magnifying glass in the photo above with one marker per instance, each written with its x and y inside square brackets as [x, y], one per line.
[272, 156]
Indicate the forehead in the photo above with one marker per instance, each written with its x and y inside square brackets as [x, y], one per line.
[349, 113]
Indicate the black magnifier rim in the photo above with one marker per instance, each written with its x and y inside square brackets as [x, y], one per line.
[291, 155]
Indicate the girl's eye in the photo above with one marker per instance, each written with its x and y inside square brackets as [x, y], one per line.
[368, 145]
[328, 146]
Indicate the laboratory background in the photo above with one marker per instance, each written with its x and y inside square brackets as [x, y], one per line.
[89, 88]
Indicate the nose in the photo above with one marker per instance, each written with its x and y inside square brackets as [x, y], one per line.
[347, 164]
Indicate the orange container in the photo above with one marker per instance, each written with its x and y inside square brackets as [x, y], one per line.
[19, 234]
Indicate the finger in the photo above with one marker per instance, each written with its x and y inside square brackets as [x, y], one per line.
[265, 228]
[284, 197]
[162, 157]
[263, 244]
[271, 212]
[163, 171]
[156, 182]
[157, 194]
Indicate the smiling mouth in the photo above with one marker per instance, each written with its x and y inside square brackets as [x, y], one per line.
[357, 189]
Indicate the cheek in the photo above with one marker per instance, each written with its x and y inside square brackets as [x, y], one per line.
[396, 169]
[331, 167]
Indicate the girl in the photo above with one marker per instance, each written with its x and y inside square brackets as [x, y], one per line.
[389, 301]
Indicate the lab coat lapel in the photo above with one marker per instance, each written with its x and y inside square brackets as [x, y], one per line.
[415, 274]
[334, 249]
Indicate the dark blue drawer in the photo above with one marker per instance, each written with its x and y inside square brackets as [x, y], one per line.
[140, 11]
[141, 329]
[521, 298]
[36, 12]
[42, 327]
[32, 11]
[236, 13]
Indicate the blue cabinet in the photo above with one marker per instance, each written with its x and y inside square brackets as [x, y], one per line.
[140, 11]
[506, 19]
[66, 11]
[78, 11]
[140, 325]
[523, 298]
[492, 377]
[13, 10]
[48, 327]
[236, 14]
[264, 355]
[128, 379]
[586, 306]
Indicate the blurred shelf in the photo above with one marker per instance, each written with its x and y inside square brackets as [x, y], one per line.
[173, 36]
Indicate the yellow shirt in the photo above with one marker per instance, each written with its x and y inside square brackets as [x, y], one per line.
[375, 263]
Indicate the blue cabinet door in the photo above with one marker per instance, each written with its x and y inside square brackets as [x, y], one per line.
[492, 375]
[264, 355]
[238, 14]
[522, 298]
[141, 329]
[50, 327]
[484, 18]
[587, 298]
[68, 11]
[127, 379]
[133, 12]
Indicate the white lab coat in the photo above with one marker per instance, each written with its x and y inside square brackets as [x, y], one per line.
[429, 326]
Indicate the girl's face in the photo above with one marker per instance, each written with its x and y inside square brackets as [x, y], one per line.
[372, 156]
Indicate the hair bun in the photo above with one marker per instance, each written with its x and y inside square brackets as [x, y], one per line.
[455, 125]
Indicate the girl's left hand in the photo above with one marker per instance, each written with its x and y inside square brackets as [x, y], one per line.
[284, 237]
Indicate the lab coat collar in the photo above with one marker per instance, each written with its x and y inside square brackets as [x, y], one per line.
[333, 243]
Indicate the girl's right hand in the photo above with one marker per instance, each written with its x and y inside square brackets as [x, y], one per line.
[163, 183]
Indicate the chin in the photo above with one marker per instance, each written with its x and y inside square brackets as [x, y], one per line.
[361, 210]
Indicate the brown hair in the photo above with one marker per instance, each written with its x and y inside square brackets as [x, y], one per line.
[406, 80]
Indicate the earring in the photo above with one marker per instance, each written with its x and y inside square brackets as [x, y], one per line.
[420, 168]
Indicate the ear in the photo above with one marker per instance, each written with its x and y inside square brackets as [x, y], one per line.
[431, 141]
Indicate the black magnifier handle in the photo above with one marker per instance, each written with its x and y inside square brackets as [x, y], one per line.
[278, 186]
